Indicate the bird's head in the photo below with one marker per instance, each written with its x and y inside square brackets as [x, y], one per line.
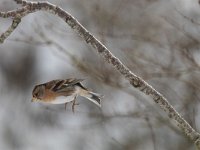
[38, 93]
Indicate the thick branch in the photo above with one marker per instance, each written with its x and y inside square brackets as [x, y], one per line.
[135, 81]
[13, 26]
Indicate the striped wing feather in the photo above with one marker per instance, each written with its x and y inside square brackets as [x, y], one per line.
[65, 85]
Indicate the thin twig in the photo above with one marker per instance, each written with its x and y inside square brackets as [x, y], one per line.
[13, 26]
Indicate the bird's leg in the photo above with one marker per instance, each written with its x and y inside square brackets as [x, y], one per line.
[65, 106]
[74, 103]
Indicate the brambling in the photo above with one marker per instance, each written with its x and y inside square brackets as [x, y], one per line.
[63, 92]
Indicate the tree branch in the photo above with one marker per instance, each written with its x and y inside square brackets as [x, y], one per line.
[135, 81]
[13, 26]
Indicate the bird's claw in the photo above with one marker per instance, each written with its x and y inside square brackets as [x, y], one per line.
[65, 106]
[74, 103]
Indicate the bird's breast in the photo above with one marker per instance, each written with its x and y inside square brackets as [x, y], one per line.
[62, 99]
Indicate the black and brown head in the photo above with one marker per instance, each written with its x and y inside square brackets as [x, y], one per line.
[38, 92]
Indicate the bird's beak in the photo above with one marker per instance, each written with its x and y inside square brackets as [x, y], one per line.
[34, 99]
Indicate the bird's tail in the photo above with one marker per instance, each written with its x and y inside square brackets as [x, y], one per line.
[93, 97]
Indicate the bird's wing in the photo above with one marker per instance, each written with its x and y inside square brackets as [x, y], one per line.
[64, 85]
[72, 81]
[51, 84]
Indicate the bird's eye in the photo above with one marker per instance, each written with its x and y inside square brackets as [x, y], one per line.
[36, 94]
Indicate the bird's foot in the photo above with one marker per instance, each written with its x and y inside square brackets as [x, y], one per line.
[74, 103]
[65, 106]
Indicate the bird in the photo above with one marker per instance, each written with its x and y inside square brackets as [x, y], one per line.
[64, 91]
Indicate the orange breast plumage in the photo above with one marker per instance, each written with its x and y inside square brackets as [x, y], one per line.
[55, 98]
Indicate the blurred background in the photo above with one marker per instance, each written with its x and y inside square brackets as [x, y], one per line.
[157, 39]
